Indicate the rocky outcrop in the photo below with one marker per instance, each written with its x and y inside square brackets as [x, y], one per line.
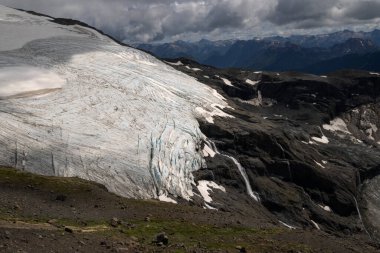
[308, 150]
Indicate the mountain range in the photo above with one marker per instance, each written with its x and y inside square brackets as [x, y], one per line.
[341, 50]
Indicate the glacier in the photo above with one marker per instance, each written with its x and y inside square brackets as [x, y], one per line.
[74, 103]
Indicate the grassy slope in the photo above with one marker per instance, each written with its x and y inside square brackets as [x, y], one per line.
[185, 234]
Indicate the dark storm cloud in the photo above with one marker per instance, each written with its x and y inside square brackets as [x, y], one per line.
[301, 12]
[365, 10]
[153, 20]
[312, 13]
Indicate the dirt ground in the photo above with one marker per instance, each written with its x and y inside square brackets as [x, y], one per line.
[46, 214]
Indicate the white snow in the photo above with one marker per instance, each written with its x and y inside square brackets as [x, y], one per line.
[213, 110]
[206, 77]
[375, 74]
[337, 125]
[196, 69]
[207, 206]
[178, 63]
[204, 187]
[315, 225]
[120, 117]
[309, 143]
[372, 130]
[217, 95]
[253, 83]
[324, 76]
[208, 152]
[326, 208]
[27, 79]
[287, 225]
[226, 81]
[320, 165]
[258, 72]
[165, 198]
[20, 28]
[323, 140]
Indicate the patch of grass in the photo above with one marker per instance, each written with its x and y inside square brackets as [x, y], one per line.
[213, 238]
[183, 235]
[62, 185]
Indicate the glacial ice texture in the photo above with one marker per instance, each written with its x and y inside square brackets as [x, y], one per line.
[105, 113]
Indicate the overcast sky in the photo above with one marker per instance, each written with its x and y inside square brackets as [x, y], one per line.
[157, 20]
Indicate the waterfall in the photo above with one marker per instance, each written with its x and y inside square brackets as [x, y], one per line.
[242, 171]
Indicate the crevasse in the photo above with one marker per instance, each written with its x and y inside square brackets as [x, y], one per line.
[120, 117]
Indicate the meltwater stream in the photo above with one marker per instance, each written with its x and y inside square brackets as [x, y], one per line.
[242, 171]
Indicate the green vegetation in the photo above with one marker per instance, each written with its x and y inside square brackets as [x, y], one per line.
[62, 185]
[183, 235]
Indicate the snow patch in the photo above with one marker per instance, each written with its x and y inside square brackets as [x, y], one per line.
[165, 198]
[178, 63]
[210, 207]
[287, 225]
[204, 187]
[320, 165]
[323, 140]
[215, 110]
[315, 225]
[326, 208]
[208, 152]
[337, 125]
[375, 74]
[356, 111]
[226, 81]
[253, 83]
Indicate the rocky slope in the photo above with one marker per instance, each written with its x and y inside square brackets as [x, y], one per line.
[48, 214]
[309, 145]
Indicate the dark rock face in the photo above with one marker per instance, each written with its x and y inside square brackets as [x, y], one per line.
[308, 151]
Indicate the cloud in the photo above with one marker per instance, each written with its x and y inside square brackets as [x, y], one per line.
[155, 20]
[310, 13]
[364, 10]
